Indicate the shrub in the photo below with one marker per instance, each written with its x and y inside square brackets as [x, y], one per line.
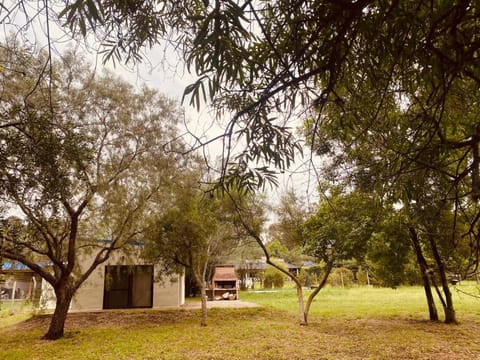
[341, 277]
[273, 278]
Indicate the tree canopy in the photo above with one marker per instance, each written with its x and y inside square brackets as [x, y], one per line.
[267, 63]
[84, 160]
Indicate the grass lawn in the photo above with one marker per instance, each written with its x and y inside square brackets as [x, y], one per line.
[357, 323]
[380, 303]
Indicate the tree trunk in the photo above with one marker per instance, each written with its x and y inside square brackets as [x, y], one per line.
[301, 309]
[57, 323]
[200, 281]
[328, 270]
[203, 296]
[448, 309]
[450, 317]
[422, 263]
[302, 316]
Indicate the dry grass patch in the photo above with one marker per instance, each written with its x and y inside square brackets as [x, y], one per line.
[109, 319]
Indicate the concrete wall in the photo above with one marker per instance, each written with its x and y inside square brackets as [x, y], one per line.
[168, 291]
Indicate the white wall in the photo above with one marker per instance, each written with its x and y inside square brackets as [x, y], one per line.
[47, 297]
[169, 292]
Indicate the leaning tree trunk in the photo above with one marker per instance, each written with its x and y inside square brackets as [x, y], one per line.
[448, 308]
[302, 316]
[422, 263]
[57, 323]
[328, 270]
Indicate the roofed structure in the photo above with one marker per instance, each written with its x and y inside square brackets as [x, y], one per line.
[224, 284]
[224, 273]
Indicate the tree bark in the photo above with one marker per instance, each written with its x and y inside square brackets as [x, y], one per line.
[302, 309]
[57, 323]
[203, 296]
[302, 316]
[448, 308]
[422, 263]
[200, 280]
[328, 270]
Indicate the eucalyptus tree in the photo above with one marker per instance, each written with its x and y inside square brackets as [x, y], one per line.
[84, 160]
[340, 229]
[258, 60]
[247, 208]
[441, 232]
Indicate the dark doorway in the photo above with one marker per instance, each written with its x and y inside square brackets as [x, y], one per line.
[128, 287]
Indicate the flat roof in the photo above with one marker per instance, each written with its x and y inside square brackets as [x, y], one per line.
[18, 266]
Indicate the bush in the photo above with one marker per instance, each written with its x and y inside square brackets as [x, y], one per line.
[273, 278]
[341, 277]
[363, 277]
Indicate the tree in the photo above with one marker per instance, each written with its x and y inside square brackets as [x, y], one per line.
[426, 166]
[291, 214]
[84, 159]
[340, 229]
[389, 255]
[247, 209]
[276, 248]
[342, 225]
[195, 232]
[436, 234]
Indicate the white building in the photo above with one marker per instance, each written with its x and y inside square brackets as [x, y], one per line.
[119, 283]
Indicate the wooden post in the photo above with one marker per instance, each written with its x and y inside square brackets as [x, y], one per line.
[13, 294]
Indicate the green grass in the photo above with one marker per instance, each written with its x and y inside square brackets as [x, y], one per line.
[407, 302]
[12, 313]
[356, 323]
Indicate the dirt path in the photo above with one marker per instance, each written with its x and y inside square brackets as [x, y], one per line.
[233, 304]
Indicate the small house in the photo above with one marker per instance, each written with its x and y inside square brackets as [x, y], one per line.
[19, 283]
[124, 281]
